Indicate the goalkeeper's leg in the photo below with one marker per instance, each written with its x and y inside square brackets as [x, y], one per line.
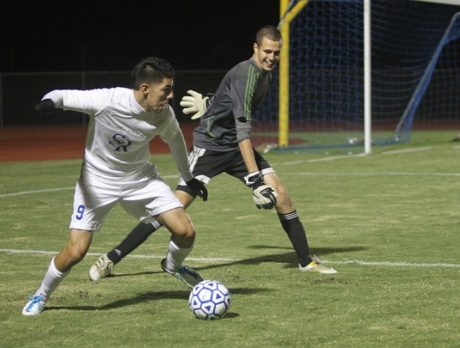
[135, 238]
[104, 265]
[294, 228]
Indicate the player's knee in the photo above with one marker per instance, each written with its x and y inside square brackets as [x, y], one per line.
[185, 236]
[284, 202]
[75, 252]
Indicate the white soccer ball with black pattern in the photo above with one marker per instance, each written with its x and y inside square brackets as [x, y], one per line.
[209, 299]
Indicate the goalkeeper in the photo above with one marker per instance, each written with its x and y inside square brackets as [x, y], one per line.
[222, 144]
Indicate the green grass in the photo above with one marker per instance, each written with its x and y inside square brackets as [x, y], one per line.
[387, 222]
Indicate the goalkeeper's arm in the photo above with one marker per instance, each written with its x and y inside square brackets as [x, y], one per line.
[264, 195]
[194, 103]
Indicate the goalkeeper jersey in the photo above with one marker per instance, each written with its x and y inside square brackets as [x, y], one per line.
[227, 120]
[119, 133]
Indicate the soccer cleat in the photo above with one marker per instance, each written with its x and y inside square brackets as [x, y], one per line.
[185, 274]
[35, 305]
[316, 266]
[101, 269]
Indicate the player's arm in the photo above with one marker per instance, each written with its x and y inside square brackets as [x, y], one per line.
[175, 139]
[264, 195]
[87, 102]
[242, 93]
[247, 153]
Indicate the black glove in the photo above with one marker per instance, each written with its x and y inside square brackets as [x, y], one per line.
[198, 188]
[45, 107]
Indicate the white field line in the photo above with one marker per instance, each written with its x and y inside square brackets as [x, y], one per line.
[21, 193]
[35, 191]
[322, 159]
[373, 174]
[223, 260]
[397, 152]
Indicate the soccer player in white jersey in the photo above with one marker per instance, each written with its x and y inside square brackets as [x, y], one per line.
[222, 144]
[117, 169]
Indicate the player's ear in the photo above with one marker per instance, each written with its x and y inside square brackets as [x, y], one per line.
[144, 88]
[255, 46]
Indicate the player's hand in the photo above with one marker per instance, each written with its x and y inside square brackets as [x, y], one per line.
[194, 103]
[263, 195]
[45, 107]
[198, 188]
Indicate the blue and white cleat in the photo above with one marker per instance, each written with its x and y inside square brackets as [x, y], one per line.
[35, 305]
[185, 274]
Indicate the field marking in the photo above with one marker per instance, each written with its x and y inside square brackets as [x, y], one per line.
[21, 193]
[322, 159]
[373, 174]
[13, 194]
[35, 191]
[397, 152]
[221, 259]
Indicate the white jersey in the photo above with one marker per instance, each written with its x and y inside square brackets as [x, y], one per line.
[119, 133]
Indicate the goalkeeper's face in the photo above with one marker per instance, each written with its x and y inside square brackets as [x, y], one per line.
[267, 54]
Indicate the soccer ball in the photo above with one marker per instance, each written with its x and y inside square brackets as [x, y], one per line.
[209, 299]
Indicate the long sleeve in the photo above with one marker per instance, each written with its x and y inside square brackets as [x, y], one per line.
[173, 136]
[179, 153]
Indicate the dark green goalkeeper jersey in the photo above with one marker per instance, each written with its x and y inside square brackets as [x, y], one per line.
[227, 120]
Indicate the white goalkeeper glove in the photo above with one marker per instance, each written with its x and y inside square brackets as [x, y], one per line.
[194, 103]
[263, 195]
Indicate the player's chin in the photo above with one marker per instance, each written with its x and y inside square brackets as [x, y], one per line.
[269, 67]
[160, 108]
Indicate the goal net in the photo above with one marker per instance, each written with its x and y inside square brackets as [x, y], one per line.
[414, 76]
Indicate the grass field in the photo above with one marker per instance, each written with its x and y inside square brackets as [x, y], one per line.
[388, 222]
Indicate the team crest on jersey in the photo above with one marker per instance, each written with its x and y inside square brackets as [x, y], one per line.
[120, 142]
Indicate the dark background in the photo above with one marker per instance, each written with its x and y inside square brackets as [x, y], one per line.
[113, 36]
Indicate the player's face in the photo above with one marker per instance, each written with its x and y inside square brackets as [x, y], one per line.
[267, 54]
[158, 95]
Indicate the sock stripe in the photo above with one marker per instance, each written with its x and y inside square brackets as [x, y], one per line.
[288, 216]
[156, 224]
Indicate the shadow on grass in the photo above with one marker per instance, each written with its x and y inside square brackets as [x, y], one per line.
[289, 259]
[152, 296]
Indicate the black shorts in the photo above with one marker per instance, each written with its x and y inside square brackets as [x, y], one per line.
[205, 164]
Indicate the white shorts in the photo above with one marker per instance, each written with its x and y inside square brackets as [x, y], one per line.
[143, 199]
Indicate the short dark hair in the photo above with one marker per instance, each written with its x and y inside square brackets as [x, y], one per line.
[149, 70]
[268, 31]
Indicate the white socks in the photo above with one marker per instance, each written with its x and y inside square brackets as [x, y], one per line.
[51, 280]
[176, 256]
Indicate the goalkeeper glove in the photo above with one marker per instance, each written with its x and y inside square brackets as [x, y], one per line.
[198, 188]
[45, 107]
[195, 104]
[264, 195]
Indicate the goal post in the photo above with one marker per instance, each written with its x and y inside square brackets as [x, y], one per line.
[287, 15]
[350, 71]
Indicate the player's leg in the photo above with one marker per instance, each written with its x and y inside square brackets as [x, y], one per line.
[90, 206]
[180, 245]
[155, 199]
[103, 267]
[287, 213]
[289, 219]
[74, 251]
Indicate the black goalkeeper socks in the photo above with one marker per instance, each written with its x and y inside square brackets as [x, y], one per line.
[296, 233]
[135, 238]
